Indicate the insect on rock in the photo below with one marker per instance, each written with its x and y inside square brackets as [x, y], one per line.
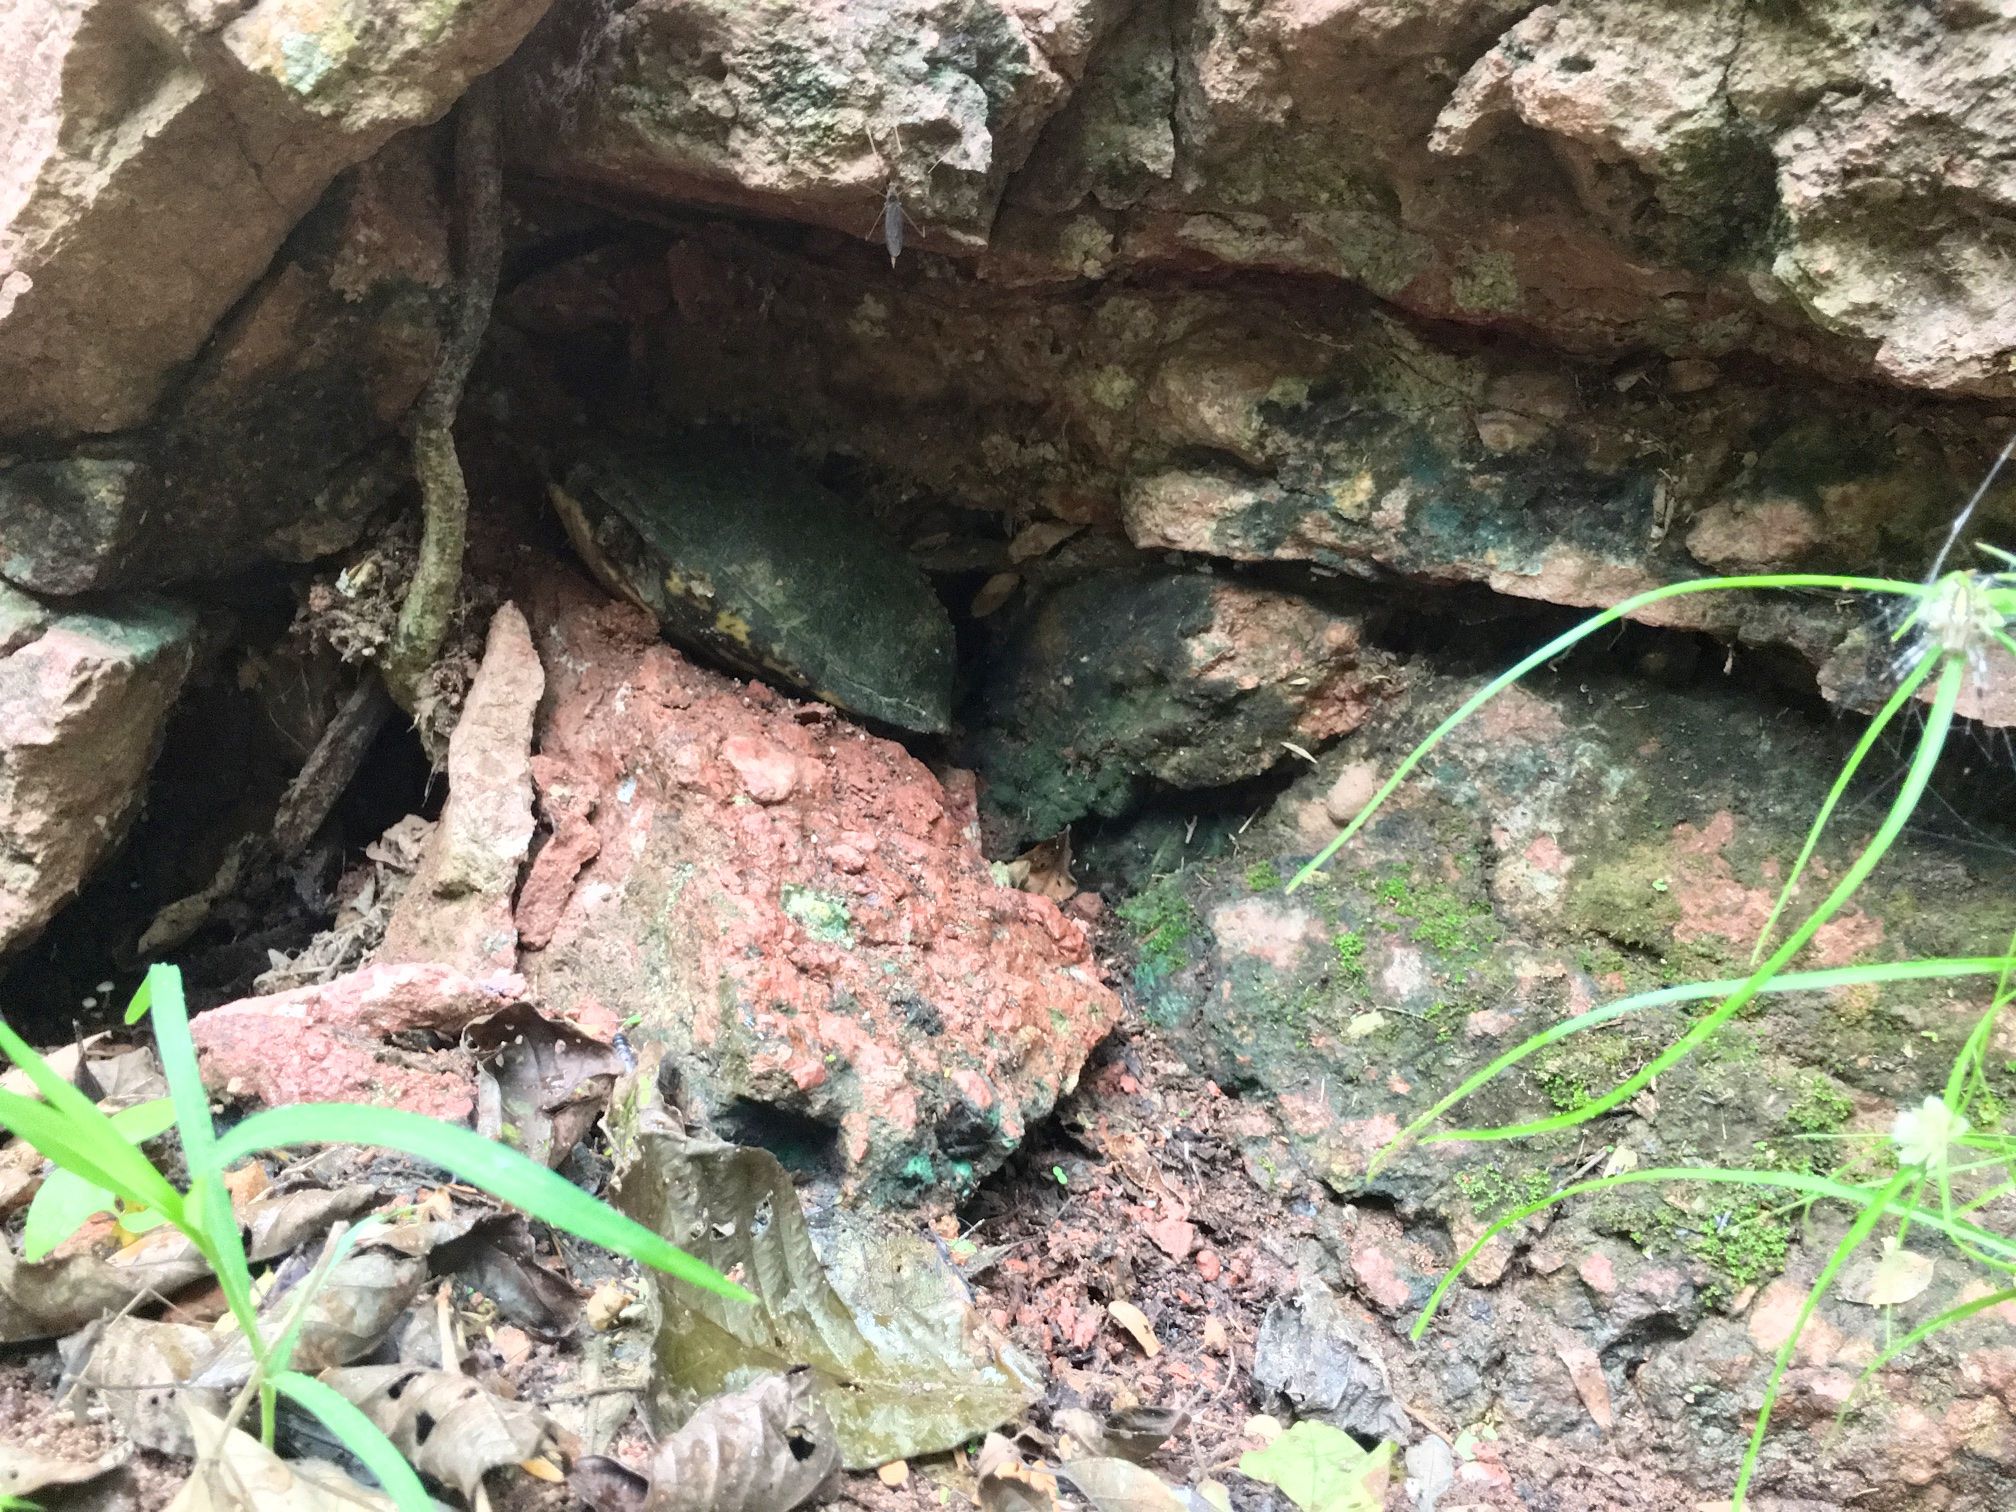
[893, 216]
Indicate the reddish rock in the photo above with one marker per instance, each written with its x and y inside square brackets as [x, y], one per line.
[1175, 1237]
[892, 993]
[334, 1036]
[457, 911]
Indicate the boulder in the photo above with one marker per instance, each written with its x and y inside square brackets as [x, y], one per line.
[798, 911]
[154, 157]
[280, 439]
[1607, 176]
[86, 697]
[1122, 680]
[810, 112]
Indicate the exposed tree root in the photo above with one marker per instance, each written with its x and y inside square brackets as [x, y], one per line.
[444, 496]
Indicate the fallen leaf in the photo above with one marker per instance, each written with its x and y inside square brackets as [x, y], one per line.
[543, 1084]
[445, 1424]
[1135, 1433]
[141, 1371]
[359, 1300]
[1322, 1469]
[1118, 1485]
[1899, 1276]
[499, 1259]
[1045, 869]
[1080, 1433]
[1135, 1321]
[1040, 539]
[1586, 1371]
[1006, 1484]
[24, 1472]
[236, 1473]
[914, 1373]
[1214, 1496]
[995, 592]
[895, 1473]
[767, 1448]
[278, 1222]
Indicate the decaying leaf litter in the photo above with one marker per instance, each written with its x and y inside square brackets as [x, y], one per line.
[504, 1362]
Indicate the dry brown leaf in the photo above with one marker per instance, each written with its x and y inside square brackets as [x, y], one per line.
[24, 1472]
[1898, 1277]
[1135, 1321]
[1045, 869]
[135, 1366]
[995, 592]
[543, 1084]
[1118, 1485]
[62, 1294]
[1135, 1433]
[1586, 1371]
[767, 1448]
[1008, 1485]
[895, 1473]
[445, 1424]
[1040, 539]
[277, 1222]
[236, 1473]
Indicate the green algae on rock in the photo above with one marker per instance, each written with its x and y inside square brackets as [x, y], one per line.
[738, 552]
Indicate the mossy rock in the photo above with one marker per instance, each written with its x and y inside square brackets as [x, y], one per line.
[745, 557]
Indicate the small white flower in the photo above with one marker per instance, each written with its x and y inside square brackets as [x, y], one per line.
[1923, 1134]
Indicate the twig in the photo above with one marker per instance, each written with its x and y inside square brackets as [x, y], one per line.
[444, 494]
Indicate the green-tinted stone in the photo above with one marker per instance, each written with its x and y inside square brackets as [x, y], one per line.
[740, 553]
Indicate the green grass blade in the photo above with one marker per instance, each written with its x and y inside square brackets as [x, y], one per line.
[1906, 691]
[498, 1170]
[96, 1154]
[1932, 968]
[1858, 1232]
[1565, 641]
[1938, 721]
[161, 991]
[212, 1224]
[89, 1129]
[360, 1436]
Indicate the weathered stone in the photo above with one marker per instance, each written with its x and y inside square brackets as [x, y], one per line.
[1121, 680]
[86, 699]
[832, 968]
[808, 111]
[1152, 412]
[1572, 844]
[155, 156]
[270, 448]
[335, 1035]
[1610, 175]
[740, 553]
[457, 909]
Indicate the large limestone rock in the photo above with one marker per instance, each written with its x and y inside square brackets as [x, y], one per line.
[86, 698]
[1819, 183]
[807, 111]
[154, 155]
